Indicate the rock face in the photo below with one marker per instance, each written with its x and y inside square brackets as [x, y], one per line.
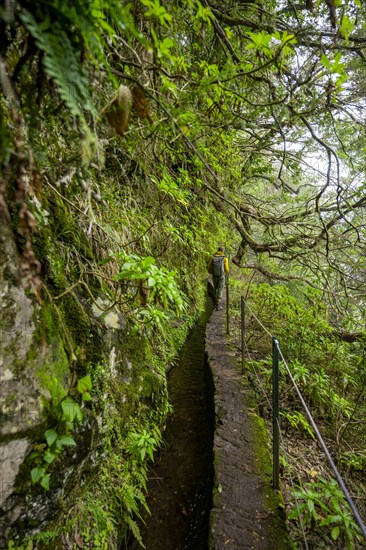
[12, 455]
[21, 408]
[46, 346]
[246, 512]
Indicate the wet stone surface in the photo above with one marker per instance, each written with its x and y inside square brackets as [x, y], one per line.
[180, 480]
[245, 511]
[212, 491]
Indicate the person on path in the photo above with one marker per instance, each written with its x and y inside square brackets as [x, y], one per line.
[218, 267]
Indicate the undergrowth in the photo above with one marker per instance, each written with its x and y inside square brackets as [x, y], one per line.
[328, 374]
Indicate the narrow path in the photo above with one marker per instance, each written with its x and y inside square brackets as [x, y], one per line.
[180, 481]
[246, 512]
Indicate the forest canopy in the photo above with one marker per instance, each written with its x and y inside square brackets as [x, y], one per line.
[259, 108]
[136, 137]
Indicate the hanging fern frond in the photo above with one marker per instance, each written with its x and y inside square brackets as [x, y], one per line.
[74, 35]
[61, 61]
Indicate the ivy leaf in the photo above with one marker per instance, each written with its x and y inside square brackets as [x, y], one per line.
[45, 482]
[66, 440]
[163, 47]
[158, 11]
[50, 436]
[151, 281]
[346, 27]
[286, 37]
[122, 275]
[37, 474]
[84, 384]
[337, 66]
[86, 396]
[146, 262]
[205, 14]
[325, 61]
[48, 457]
[71, 410]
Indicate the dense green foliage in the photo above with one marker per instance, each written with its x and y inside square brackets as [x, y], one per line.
[135, 137]
[330, 374]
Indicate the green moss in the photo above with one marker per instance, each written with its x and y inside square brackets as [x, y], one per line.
[273, 499]
[76, 319]
[137, 345]
[52, 366]
[262, 447]
[52, 383]
[60, 235]
[65, 228]
[54, 375]
[66, 326]
[57, 269]
[152, 384]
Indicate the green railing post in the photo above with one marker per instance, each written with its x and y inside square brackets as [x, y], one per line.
[242, 334]
[276, 414]
[227, 307]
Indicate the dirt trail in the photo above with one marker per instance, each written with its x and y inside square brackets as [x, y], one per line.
[246, 511]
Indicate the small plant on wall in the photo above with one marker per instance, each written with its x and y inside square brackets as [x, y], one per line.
[56, 439]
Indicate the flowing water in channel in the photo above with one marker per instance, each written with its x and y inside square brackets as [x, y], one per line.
[180, 484]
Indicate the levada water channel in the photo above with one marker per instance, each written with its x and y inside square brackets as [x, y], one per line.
[181, 478]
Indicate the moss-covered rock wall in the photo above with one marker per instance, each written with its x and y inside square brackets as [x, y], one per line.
[104, 243]
[48, 346]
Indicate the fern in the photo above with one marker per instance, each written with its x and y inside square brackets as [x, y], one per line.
[61, 63]
[74, 37]
[135, 530]
[139, 495]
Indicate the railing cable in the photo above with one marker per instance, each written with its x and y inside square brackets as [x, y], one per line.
[325, 449]
[258, 321]
[270, 405]
[315, 427]
[261, 386]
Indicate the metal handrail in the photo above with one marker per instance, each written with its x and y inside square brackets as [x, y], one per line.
[276, 353]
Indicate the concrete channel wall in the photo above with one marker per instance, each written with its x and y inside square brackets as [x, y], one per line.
[247, 512]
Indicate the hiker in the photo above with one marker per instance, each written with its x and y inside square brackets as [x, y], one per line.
[218, 267]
